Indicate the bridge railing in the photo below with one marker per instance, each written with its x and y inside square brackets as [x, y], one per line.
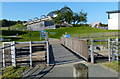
[80, 47]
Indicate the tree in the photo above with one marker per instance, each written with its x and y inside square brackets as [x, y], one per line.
[65, 14]
[59, 19]
[79, 18]
[5, 23]
[19, 22]
[68, 17]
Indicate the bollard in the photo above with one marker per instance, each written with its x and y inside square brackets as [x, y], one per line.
[80, 71]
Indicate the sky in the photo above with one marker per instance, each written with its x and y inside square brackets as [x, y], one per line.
[28, 10]
[60, 0]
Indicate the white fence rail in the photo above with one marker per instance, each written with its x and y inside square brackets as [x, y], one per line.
[113, 48]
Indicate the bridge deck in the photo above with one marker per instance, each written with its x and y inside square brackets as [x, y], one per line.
[63, 55]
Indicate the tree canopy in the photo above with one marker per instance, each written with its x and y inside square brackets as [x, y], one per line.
[7, 23]
[65, 14]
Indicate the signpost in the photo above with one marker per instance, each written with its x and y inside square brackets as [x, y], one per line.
[43, 34]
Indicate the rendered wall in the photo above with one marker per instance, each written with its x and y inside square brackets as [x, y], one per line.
[113, 23]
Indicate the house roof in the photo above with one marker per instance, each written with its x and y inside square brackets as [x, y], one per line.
[115, 11]
[95, 24]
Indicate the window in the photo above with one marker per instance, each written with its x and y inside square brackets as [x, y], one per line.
[112, 15]
[41, 24]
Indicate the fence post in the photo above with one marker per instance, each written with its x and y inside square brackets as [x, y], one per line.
[109, 54]
[112, 53]
[47, 45]
[80, 71]
[13, 53]
[117, 48]
[3, 57]
[47, 38]
[92, 51]
[30, 45]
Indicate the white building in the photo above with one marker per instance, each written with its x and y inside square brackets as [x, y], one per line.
[96, 24]
[113, 20]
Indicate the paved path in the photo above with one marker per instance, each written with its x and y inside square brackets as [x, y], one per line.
[63, 55]
[95, 71]
[100, 71]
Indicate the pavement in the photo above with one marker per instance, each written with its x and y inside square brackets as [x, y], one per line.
[66, 71]
[99, 71]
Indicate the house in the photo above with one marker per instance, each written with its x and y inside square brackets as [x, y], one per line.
[113, 20]
[96, 25]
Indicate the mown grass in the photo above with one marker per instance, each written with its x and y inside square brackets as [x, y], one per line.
[18, 27]
[35, 35]
[4, 28]
[115, 65]
[74, 30]
[13, 72]
[15, 27]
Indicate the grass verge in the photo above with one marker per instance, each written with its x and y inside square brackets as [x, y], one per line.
[115, 65]
[13, 72]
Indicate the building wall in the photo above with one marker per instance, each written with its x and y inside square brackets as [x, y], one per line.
[41, 26]
[119, 21]
[48, 23]
[113, 21]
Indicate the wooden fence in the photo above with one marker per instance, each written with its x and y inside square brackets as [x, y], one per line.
[79, 46]
[14, 50]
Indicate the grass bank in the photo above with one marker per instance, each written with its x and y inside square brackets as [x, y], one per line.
[35, 35]
[76, 31]
[113, 65]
